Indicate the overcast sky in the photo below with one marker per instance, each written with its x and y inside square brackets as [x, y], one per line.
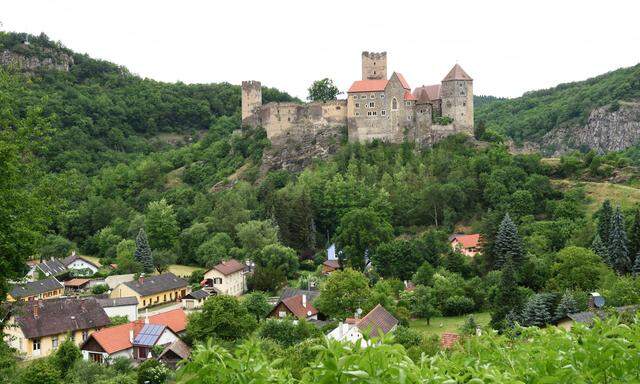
[508, 47]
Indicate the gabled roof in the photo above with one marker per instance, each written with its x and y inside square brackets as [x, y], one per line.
[56, 316]
[404, 83]
[115, 280]
[295, 305]
[178, 348]
[368, 86]
[76, 283]
[155, 284]
[379, 319]
[117, 302]
[409, 96]
[290, 292]
[468, 241]
[199, 294]
[34, 288]
[423, 96]
[149, 335]
[175, 319]
[70, 259]
[335, 264]
[433, 91]
[52, 267]
[230, 266]
[457, 73]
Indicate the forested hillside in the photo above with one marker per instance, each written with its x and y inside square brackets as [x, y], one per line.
[531, 116]
[99, 113]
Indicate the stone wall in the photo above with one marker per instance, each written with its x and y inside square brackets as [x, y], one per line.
[52, 60]
[457, 102]
[251, 101]
[291, 119]
[374, 65]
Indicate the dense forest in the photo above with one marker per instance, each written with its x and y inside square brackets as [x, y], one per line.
[535, 113]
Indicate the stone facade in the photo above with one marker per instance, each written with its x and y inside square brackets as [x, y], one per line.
[52, 61]
[375, 108]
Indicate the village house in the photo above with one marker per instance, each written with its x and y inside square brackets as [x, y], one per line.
[133, 340]
[153, 290]
[120, 306]
[74, 264]
[113, 281]
[595, 310]
[228, 278]
[329, 266]
[174, 353]
[468, 245]
[75, 285]
[195, 299]
[297, 306]
[376, 323]
[41, 289]
[36, 328]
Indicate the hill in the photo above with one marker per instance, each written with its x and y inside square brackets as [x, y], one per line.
[576, 115]
[98, 112]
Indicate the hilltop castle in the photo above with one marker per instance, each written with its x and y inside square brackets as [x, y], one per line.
[376, 107]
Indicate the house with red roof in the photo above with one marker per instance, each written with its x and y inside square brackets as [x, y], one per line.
[298, 306]
[469, 245]
[377, 107]
[135, 339]
[227, 278]
[376, 323]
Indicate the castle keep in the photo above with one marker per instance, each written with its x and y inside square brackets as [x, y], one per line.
[376, 107]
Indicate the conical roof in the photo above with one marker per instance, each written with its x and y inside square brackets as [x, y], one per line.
[457, 73]
[423, 97]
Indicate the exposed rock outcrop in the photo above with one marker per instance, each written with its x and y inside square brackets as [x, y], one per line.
[49, 59]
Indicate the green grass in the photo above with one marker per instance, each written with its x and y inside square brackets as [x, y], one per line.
[440, 325]
[626, 196]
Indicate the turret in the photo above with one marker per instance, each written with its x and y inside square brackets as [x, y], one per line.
[457, 98]
[374, 65]
[251, 102]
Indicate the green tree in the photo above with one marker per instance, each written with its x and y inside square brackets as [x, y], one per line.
[634, 235]
[40, 371]
[287, 332]
[214, 250]
[605, 215]
[576, 269]
[424, 303]
[152, 371]
[508, 243]
[636, 266]
[66, 355]
[599, 248]
[566, 306]
[278, 256]
[618, 253]
[396, 259]
[267, 279]
[361, 230]
[257, 304]
[508, 297]
[424, 275]
[160, 221]
[535, 312]
[323, 90]
[342, 293]
[163, 258]
[254, 235]
[55, 246]
[143, 252]
[222, 317]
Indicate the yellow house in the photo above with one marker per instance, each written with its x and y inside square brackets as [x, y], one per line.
[36, 328]
[153, 290]
[40, 289]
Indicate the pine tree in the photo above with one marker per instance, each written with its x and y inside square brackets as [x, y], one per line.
[618, 253]
[508, 296]
[535, 312]
[566, 306]
[636, 266]
[634, 236]
[599, 248]
[604, 222]
[508, 243]
[143, 251]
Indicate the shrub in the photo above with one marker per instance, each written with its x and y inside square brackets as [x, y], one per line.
[99, 289]
[457, 305]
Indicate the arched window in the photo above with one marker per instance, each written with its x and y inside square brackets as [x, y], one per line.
[394, 104]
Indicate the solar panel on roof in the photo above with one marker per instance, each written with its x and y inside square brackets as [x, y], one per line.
[149, 334]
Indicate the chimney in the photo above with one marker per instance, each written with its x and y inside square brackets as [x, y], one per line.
[131, 336]
[36, 309]
[141, 279]
[304, 300]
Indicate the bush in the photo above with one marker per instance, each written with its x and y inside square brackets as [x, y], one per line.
[99, 289]
[407, 337]
[457, 305]
[152, 372]
[286, 332]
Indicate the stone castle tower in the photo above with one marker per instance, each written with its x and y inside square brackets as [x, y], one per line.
[251, 100]
[457, 97]
[374, 65]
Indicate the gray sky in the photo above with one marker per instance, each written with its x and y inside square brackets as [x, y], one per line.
[508, 47]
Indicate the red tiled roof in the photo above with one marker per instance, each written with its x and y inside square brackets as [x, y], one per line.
[230, 266]
[379, 319]
[433, 91]
[468, 241]
[294, 304]
[404, 83]
[457, 73]
[409, 96]
[116, 338]
[368, 86]
[448, 339]
[335, 264]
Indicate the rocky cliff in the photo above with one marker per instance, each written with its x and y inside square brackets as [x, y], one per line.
[49, 59]
[609, 128]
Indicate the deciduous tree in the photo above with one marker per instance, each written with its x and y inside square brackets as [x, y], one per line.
[323, 90]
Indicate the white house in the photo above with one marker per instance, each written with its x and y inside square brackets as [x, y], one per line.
[376, 323]
[228, 278]
[56, 267]
[120, 306]
[80, 265]
[196, 299]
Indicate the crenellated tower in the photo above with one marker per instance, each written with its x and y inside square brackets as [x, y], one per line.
[251, 102]
[374, 65]
[457, 98]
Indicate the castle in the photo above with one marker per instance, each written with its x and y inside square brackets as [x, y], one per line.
[376, 107]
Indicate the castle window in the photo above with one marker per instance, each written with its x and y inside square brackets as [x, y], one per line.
[394, 104]
[383, 112]
[357, 113]
[375, 113]
[382, 95]
[337, 107]
[363, 96]
[408, 117]
[372, 104]
[407, 103]
[368, 113]
[357, 105]
[372, 96]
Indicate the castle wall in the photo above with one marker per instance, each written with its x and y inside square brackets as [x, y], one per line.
[457, 102]
[251, 101]
[291, 119]
[374, 65]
